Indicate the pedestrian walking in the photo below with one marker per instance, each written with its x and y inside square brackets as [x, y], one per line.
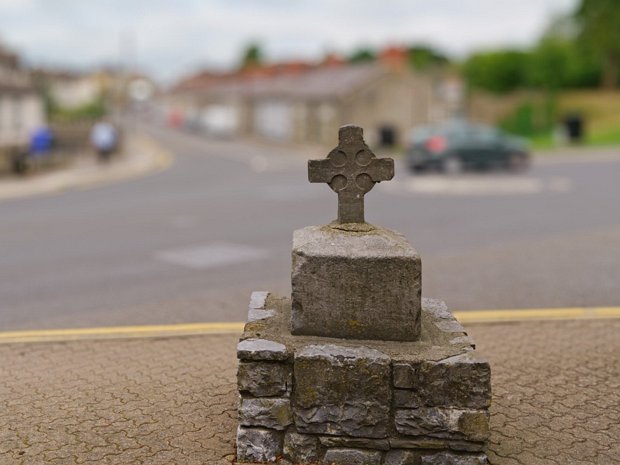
[104, 139]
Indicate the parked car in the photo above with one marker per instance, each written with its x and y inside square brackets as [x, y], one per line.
[457, 146]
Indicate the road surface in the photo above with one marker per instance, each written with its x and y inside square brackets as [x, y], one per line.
[189, 244]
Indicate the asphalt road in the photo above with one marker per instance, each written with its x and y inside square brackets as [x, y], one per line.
[190, 244]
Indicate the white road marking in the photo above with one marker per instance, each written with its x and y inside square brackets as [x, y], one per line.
[212, 255]
[476, 185]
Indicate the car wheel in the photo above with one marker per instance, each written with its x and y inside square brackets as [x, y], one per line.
[518, 162]
[452, 165]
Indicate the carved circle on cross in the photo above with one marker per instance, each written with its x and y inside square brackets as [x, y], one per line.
[351, 172]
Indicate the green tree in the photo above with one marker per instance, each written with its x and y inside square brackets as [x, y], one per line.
[498, 71]
[599, 23]
[252, 56]
[422, 57]
[556, 63]
[362, 55]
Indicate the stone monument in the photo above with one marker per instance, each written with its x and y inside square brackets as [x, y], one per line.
[356, 368]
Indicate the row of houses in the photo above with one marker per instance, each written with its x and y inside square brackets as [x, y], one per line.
[23, 95]
[300, 103]
[29, 96]
[72, 90]
[21, 106]
[293, 102]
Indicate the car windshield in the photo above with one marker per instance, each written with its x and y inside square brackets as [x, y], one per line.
[422, 133]
[456, 130]
[485, 134]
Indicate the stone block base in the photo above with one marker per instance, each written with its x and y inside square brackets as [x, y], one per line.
[352, 285]
[309, 399]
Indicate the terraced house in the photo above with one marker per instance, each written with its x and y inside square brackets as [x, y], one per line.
[301, 103]
[21, 107]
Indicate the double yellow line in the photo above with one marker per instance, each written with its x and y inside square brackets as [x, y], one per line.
[540, 314]
[128, 332]
[122, 332]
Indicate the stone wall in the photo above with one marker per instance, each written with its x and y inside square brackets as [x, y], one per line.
[311, 399]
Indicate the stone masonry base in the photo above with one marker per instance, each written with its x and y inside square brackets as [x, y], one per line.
[309, 399]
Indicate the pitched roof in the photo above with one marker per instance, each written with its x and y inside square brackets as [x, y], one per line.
[322, 82]
[200, 81]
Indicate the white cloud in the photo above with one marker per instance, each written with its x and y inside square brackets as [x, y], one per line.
[15, 5]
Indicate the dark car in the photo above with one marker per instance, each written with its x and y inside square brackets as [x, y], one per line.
[457, 146]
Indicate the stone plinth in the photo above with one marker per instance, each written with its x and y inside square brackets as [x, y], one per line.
[324, 400]
[355, 284]
[330, 401]
[355, 368]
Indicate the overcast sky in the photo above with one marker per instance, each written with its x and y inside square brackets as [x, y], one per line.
[168, 38]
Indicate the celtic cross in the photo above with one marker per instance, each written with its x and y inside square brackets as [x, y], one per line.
[351, 170]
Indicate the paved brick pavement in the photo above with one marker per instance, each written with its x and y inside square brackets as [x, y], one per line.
[173, 401]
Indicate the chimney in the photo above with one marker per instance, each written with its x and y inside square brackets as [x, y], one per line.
[394, 58]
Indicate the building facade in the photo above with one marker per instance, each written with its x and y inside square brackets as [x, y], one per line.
[305, 104]
[21, 107]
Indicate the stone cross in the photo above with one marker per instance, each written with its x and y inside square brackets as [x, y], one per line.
[351, 170]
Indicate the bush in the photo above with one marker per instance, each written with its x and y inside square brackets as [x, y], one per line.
[88, 112]
[532, 118]
[497, 71]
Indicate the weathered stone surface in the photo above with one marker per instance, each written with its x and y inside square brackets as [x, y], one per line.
[437, 308]
[401, 457]
[434, 345]
[446, 458]
[263, 379]
[351, 170]
[437, 390]
[270, 412]
[450, 326]
[463, 340]
[462, 381]
[348, 442]
[435, 443]
[258, 299]
[342, 390]
[474, 424]
[258, 444]
[257, 314]
[352, 457]
[261, 349]
[301, 448]
[404, 375]
[355, 285]
[443, 423]
[406, 398]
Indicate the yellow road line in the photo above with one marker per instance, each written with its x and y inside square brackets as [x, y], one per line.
[114, 332]
[570, 313]
[123, 332]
